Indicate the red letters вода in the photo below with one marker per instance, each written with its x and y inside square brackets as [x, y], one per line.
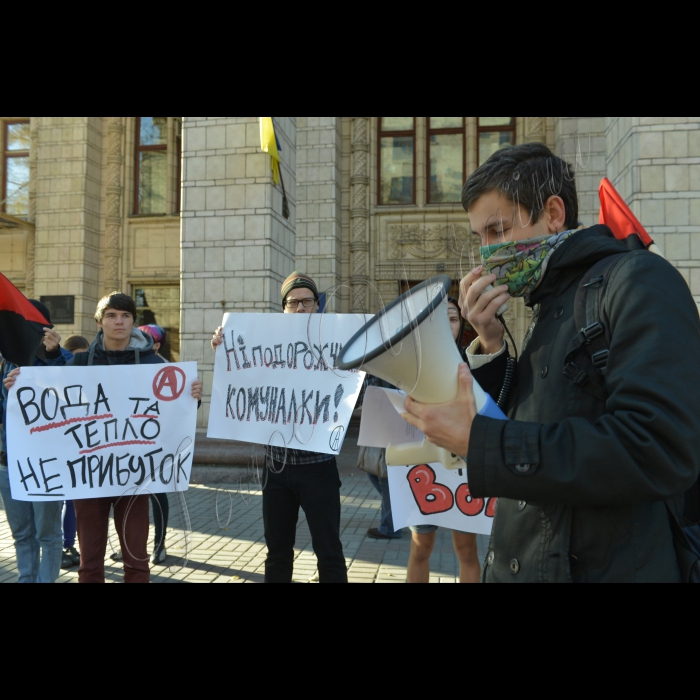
[432, 498]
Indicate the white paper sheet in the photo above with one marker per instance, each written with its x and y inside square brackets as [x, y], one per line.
[382, 424]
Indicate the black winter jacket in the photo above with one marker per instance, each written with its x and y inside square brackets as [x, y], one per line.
[582, 482]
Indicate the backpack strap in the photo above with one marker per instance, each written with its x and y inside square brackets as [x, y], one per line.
[594, 336]
[82, 359]
[594, 340]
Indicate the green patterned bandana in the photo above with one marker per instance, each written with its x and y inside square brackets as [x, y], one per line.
[522, 264]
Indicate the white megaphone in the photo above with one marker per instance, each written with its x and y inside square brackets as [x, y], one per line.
[410, 345]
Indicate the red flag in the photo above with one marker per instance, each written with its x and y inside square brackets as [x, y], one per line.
[617, 216]
[21, 325]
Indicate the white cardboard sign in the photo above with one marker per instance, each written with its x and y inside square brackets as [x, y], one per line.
[92, 432]
[433, 495]
[276, 382]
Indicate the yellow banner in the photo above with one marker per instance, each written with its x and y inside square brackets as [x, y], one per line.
[269, 145]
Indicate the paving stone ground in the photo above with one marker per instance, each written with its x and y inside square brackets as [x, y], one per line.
[228, 546]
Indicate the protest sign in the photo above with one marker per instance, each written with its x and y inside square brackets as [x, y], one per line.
[93, 432]
[424, 494]
[433, 495]
[276, 382]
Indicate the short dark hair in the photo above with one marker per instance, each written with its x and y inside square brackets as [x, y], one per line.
[116, 301]
[528, 175]
[76, 342]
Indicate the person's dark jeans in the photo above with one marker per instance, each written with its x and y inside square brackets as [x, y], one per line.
[386, 526]
[161, 516]
[316, 489]
[70, 525]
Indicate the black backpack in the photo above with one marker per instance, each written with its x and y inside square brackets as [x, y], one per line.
[594, 340]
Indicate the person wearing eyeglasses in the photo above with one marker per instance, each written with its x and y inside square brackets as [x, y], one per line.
[298, 479]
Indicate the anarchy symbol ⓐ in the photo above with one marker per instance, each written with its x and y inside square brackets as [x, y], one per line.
[169, 384]
[337, 438]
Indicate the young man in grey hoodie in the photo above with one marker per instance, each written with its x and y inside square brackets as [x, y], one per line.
[118, 342]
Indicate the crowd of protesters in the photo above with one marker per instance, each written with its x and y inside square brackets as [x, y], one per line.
[43, 543]
[45, 533]
[596, 471]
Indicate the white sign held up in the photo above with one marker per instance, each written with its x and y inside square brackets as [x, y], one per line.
[275, 381]
[429, 494]
[426, 494]
[93, 432]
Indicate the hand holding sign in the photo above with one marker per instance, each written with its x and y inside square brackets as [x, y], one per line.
[11, 379]
[218, 338]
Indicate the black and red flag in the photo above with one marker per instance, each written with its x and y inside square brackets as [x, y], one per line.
[617, 216]
[21, 325]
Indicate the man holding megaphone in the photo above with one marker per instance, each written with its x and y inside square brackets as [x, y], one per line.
[604, 433]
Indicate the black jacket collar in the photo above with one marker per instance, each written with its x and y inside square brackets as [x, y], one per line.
[574, 258]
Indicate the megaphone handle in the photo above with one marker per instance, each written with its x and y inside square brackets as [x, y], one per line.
[422, 453]
[504, 308]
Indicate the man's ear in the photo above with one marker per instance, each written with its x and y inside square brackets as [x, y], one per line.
[555, 211]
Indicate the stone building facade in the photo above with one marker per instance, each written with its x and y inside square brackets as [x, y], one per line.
[182, 212]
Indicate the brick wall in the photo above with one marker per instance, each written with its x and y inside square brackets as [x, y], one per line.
[581, 141]
[319, 206]
[237, 248]
[655, 164]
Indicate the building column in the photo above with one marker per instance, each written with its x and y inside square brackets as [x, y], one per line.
[319, 205]
[113, 232]
[31, 233]
[237, 248]
[68, 215]
[654, 162]
[359, 214]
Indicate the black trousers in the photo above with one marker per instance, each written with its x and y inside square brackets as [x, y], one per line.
[316, 489]
[161, 516]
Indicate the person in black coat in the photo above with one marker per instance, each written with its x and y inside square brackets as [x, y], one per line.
[583, 481]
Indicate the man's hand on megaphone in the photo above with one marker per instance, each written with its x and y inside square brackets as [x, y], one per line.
[481, 307]
[447, 425]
